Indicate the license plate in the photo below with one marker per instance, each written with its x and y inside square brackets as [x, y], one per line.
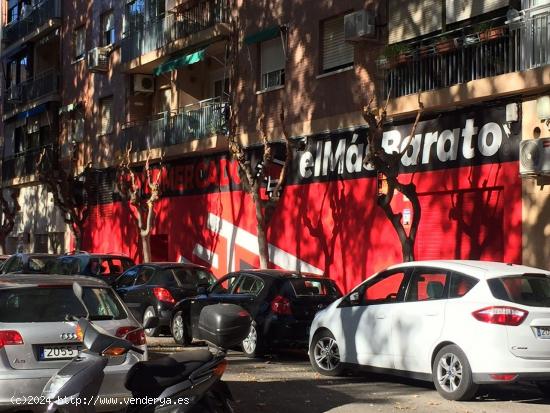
[543, 332]
[59, 352]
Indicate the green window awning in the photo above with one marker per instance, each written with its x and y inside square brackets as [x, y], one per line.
[178, 62]
[262, 35]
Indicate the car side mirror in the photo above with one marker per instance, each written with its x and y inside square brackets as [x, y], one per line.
[354, 298]
[151, 322]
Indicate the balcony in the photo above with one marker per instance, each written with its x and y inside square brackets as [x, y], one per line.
[183, 22]
[23, 164]
[198, 121]
[20, 95]
[469, 54]
[44, 16]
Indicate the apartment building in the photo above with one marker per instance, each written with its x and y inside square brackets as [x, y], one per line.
[153, 77]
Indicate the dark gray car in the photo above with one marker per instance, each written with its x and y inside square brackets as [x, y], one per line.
[38, 336]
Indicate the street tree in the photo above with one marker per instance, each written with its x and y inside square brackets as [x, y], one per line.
[142, 194]
[253, 177]
[387, 167]
[69, 188]
[9, 213]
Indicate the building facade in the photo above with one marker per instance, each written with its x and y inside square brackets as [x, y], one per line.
[153, 77]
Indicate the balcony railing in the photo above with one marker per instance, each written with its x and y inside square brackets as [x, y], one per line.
[35, 18]
[24, 163]
[32, 89]
[143, 38]
[465, 55]
[197, 121]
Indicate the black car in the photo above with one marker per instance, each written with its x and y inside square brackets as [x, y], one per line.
[282, 305]
[31, 263]
[152, 289]
[107, 267]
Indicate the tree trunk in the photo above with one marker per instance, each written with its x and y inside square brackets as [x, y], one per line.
[3, 240]
[263, 246]
[407, 247]
[77, 234]
[146, 247]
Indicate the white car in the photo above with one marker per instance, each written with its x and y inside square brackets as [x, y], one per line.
[456, 323]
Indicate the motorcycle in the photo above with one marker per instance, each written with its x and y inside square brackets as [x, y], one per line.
[183, 382]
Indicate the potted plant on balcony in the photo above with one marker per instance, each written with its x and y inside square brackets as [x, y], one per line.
[446, 44]
[394, 55]
[487, 32]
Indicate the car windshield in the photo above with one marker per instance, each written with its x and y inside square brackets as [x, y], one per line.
[54, 304]
[68, 266]
[194, 277]
[41, 265]
[304, 287]
[528, 289]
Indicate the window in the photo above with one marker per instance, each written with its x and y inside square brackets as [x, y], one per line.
[13, 11]
[79, 42]
[527, 289]
[249, 285]
[220, 88]
[314, 288]
[164, 278]
[427, 284]
[76, 125]
[135, 15]
[461, 285]
[384, 288]
[127, 279]
[193, 278]
[225, 285]
[336, 53]
[272, 63]
[106, 115]
[144, 275]
[107, 28]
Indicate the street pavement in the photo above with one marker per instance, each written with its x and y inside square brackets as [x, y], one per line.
[286, 383]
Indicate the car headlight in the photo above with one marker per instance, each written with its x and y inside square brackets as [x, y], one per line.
[52, 387]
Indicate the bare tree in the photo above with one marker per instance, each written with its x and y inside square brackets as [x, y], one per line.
[387, 165]
[9, 213]
[69, 189]
[141, 202]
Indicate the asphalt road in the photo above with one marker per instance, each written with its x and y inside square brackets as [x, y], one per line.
[287, 384]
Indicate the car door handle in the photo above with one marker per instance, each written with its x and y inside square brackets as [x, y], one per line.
[380, 316]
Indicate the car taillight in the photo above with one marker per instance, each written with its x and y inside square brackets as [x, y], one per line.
[133, 335]
[10, 338]
[281, 305]
[163, 294]
[506, 316]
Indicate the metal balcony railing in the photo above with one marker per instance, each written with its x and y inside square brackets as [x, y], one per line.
[24, 163]
[145, 37]
[42, 85]
[197, 121]
[464, 55]
[35, 17]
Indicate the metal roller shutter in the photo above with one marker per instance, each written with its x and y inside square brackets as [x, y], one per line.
[410, 19]
[336, 52]
[459, 10]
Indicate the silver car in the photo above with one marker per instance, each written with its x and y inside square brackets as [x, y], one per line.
[38, 336]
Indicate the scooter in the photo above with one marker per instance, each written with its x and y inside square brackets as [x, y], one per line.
[184, 382]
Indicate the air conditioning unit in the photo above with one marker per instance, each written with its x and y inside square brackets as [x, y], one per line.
[98, 59]
[144, 83]
[15, 94]
[534, 157]
[359, 25]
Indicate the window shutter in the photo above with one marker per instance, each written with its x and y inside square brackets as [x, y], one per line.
[273, 58]
[106, 112]
[459, 10]
[410, 19]
[336, 52]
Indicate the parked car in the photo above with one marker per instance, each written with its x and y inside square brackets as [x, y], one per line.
[456, 323]
[282, 305]
[31, 263]
[151, 290]
[3, 259]
[38, 336]
[104, 266]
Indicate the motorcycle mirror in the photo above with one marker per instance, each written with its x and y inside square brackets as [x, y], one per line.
[151, 322]
[79, 293]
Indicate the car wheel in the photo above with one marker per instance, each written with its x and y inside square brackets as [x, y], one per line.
[452, 375]
[150, 332]
[324, 354]
[252, 345]
[178, 329]
[544, 387]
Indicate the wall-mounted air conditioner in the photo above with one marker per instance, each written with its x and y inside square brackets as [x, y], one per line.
[359, 25]
[534, 157]
[144, 83]
[98, 59]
